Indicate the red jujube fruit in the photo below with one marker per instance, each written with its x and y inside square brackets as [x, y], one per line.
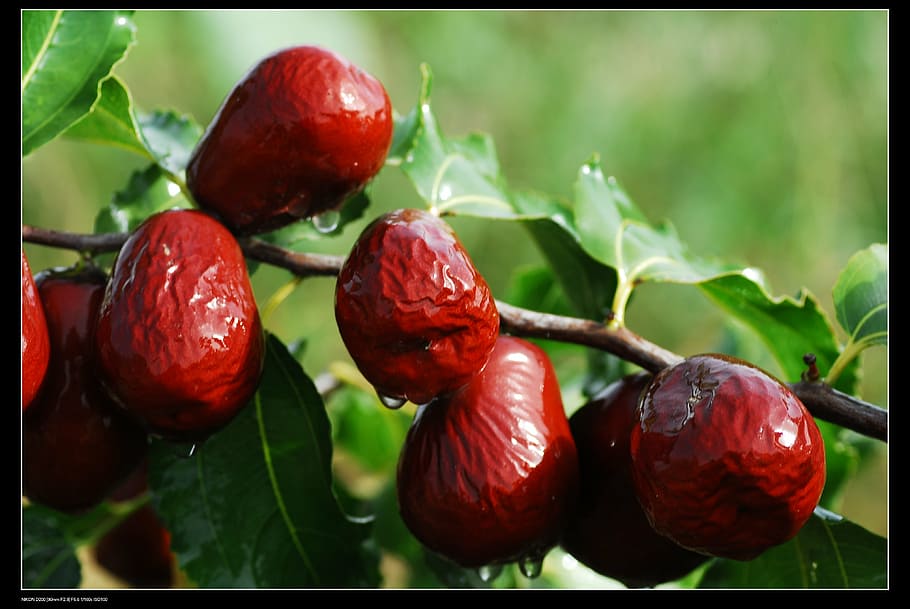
[180, 342]
[77, 445]
[300, 132]
[726, 460]
[414, 313]
[138, 549]
[608, 531]
[488, 474]
[36, 350]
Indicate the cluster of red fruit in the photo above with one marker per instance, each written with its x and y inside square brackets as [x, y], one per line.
[711, 457]
[171, 343]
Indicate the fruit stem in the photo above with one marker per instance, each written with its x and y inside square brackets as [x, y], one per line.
[277, 297]
[616, 319]
[845, 357]
[823, 402]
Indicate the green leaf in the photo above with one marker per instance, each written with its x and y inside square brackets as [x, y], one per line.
[111, 121]
[50, 539]
[366, 430]
[170, 139]
[829, 552]
[601, 246]
[613, 231]
[588, 284]
[149, 191]
[861, 296]
[536, 286]
[65, 56]
[452, 176]
[790, 327]
[164, 137]
[861, 303]
[462, 177]
[254, 507]
[48, 556]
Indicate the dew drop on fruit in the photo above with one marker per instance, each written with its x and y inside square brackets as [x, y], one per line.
[488, 573]
[327, 221]
[531, 565]
[390, 402]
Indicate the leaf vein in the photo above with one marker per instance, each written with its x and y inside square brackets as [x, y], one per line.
[61, 107]
[837, 554]
[866, 318]
[276, 490]
[42, 51]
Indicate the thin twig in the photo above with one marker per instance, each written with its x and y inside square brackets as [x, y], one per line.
[822, 401]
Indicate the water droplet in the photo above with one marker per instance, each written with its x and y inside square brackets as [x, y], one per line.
[185, 450]
[488, 573]
[327, 221]
[392, 402]
[531, 565]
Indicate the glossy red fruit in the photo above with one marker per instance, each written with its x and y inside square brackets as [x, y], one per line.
[489, 474]
[415, 315]
[726, 460]
[302, 131]
[77, 445]
[138, 549]
[608, 531]
[36, 350]
[180, 342]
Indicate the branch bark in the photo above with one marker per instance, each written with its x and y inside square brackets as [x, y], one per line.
[822, 401]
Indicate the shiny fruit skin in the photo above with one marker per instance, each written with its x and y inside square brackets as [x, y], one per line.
[489, 474]
[138, 549]
[77, 445]
[36, 349]
[726, 460]
[608, 532]
[416, 316]
[180, 342]
[302, 131]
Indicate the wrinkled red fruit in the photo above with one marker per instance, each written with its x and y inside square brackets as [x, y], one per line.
[36, 349]
[415, 315]
[608, 531]
[726, 460]
[180, 342]
[77, 445]
[138, 549]
[489, 474]
[302, 131]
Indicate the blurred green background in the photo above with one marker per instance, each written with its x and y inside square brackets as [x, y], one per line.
[762, 136]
